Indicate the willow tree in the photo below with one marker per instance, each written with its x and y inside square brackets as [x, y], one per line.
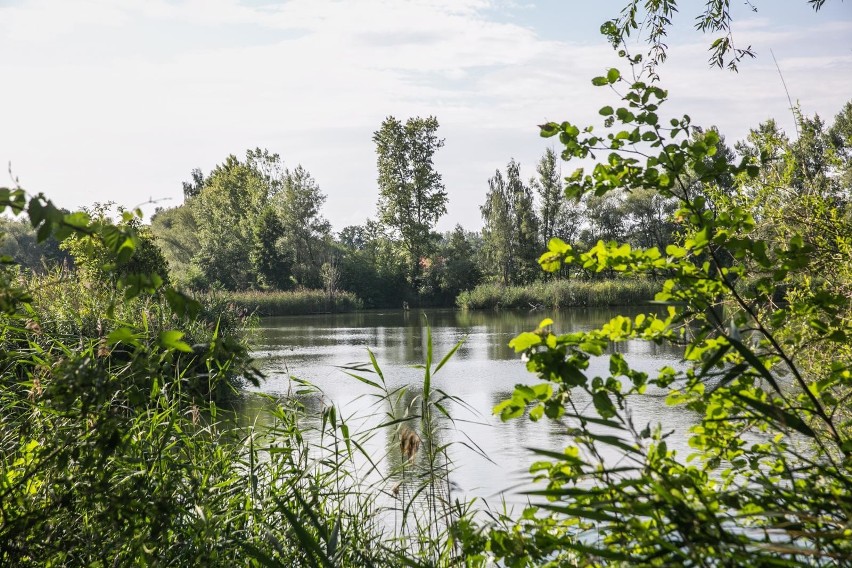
[411, 194]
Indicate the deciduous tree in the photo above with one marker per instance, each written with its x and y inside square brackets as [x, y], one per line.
[411, 194]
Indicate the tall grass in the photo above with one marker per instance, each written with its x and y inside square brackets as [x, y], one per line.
[295, 302]
[108, 456]
[556, 294]
[427, 513]
[105, 460]
[181, 488]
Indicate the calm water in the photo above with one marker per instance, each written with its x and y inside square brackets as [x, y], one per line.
[482, 373]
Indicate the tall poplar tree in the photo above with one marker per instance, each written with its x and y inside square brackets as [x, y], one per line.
[510, 233]
[551, 198]
[497, 231]
[411, 194]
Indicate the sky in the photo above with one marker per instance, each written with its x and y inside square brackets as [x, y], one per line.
[118, 100]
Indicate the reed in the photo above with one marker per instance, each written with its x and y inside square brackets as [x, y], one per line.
[111, 458]
[427, 512]
[293, 302]
[109, 461]
[557, 294]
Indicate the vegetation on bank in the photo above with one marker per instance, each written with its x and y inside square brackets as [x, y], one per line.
[560, 294]
[291, 302]
[115, 450]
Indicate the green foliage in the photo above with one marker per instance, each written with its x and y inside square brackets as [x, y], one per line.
[373, 267]
[18, 242]
[274, 264]
[411, 194]
[306, 232]
[510, 234]
[651, 22]
[101, 266]
[113, 450]
[452, 269]
[226, 212]
[768, 482]
[249, 224]
[558, 217]
[176, 232]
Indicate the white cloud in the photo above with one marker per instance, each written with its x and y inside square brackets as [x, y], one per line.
[313, 79]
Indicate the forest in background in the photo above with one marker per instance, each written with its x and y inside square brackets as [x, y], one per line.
[252, 225]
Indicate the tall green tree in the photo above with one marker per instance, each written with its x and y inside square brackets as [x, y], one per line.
[650, 218]
[525, 225]
[249, 223]
[551, 197]
[272, 260]
[557, 216]
[605, 217]
[372, 266]
[193, 188]
[177, 234]
[510, 234]
[226, 211]
[497, 230]
[412, 196]
[305, 231]
[460, 268]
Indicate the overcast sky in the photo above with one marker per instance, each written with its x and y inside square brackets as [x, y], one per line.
[118, 100]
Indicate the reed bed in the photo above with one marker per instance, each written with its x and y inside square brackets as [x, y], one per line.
[558, 294]
[294, 302]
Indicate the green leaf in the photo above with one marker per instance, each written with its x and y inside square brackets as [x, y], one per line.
[536, 413]
[363, 380]
[181, 304]
[613, 75]
[524, 341]
[449, 355]
[509, 409]
[603, 404]
[122, 335]
[171, 339]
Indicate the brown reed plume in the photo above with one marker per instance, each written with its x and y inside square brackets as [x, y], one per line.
[409, 443]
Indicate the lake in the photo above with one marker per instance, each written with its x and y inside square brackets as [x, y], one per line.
[482, 373]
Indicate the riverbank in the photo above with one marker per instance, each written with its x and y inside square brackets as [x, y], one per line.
[293, 302]
[557, 294]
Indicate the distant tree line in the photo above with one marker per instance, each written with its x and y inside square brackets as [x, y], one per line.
[253, 224]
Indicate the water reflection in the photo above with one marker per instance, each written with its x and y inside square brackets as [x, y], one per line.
[482, 373]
